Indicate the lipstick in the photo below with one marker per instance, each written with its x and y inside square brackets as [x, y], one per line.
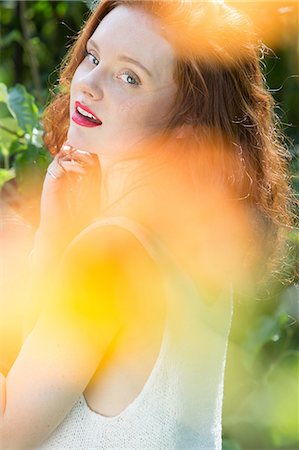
[85, 121]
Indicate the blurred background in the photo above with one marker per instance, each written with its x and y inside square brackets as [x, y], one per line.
[261, 387]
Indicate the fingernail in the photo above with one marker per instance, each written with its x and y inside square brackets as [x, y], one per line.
[83, 152]
[66, 147]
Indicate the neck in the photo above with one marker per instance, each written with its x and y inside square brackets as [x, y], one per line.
[127, 181]
[152, 187]
[117, 183]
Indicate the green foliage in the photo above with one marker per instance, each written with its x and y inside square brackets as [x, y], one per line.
[34, 39]
[261, 395]
[229, 444]
[5, 175]
[22, 107]
[21, 146]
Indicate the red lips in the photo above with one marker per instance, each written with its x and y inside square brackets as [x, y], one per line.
[85, 121]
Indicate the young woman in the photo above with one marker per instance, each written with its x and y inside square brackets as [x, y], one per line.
[167, 173]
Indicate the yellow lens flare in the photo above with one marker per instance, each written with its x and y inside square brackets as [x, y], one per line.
[231, 36]
[275, 22]
[16, 235]
[185, 197]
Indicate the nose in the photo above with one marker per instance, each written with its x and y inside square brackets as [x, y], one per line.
[90, 84]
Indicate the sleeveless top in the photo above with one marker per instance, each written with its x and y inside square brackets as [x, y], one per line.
[180, 405]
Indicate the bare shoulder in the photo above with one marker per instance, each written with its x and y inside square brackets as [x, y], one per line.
[107, 239]
[122, 262]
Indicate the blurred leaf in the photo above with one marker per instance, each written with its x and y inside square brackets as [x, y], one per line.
[4, 111]
[279, 400]
[229, 444]
[31, 163]
[265, 329]
[17, 146]
[23, 108]
[11, 124]
[289, 304]
[6, 175]
[31, 166]
[3, 93]
[13, 36]
[6, 138]
[62, 8]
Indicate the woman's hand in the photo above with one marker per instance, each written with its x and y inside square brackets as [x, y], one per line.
[71, 192]
[70, 201]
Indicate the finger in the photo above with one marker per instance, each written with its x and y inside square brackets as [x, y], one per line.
[67, 148]
[75, 163]
[52, 174]
[55, 170]
[59, 168]
[70, 166]
[86, 163]
[64, 150]
[78, 154]
[58, 164]
[83, 152]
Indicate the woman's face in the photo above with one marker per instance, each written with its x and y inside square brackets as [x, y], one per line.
[131, 98]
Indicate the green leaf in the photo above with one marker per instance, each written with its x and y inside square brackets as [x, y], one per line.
[3, 93]
[6, 175]
[280, 389]
[6, 138]
[16, 147]
[229, 444]
[288, 306]
[4, 111]
[31, 166]
[265, 329]
[9, 38]
[22, 106]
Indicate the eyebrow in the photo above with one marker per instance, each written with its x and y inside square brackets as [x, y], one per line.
[125, 58]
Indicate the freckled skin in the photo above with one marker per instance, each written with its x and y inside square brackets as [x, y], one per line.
[128, 112]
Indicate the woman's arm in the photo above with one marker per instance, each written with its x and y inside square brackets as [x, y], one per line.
[43, 261]
[2, 394]
[70, 200]
[68, 342]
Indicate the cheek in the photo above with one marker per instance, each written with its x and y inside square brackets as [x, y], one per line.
[73, 87]
[135, 115]
[149, 111]
[133, 112]
[79, 73]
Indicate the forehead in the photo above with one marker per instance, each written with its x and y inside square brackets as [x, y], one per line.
[136, 33]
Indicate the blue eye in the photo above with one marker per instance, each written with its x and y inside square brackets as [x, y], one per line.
[134, 80]
[92, 57]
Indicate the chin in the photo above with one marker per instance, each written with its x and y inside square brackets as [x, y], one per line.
[78, 140]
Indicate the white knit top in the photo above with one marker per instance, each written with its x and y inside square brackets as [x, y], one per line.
[180, 405]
